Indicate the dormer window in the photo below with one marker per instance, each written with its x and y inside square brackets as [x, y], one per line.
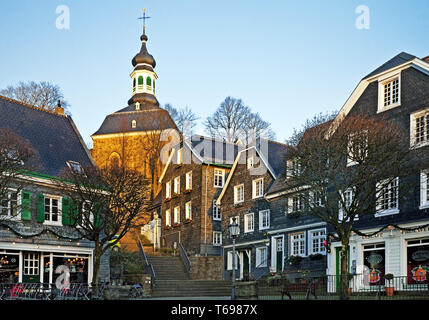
[389, 92]
[137, 105]
[133, 124]
[76, 167]
[250, 163]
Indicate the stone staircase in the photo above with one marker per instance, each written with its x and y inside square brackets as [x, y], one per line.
[172, 280]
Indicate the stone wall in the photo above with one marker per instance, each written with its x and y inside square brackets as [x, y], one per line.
[206, 268]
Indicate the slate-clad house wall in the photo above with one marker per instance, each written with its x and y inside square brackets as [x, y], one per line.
[395, 249]
[40, 237]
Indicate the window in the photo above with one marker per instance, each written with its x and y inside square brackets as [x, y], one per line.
[374, 259]
[357, 147]
[134, 84]
[8, 205]
[261, 257]
[179, 156]
[188, 210]
[417, 260]
[75, 167]
[239, 193]
[133, 124]
[250, 163]
[177, 185]
[167, 217]
[229, 260]
[316, 199]
[293, 168]
[140, 82]
[149, 83]
[31, 264]
[216, 211]
[137, 105]
[424, 189]
[298, 244]
[219, 176]
[295, 204]
[419, 128]
[168, 190]
[52, 210]
[258, 188]
[237, 220]
[249, 222]
[176, 215]
[264, 219]
[188, 180]
[348, 197]
[389, 90]
[317, 237]
[387, 197]
[217, 238]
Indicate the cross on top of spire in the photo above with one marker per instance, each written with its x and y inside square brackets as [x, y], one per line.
[144, 17]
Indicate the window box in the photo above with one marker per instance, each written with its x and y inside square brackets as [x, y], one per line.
[295, 260]
[316, 256]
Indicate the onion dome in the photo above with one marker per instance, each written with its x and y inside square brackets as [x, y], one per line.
[143, 56]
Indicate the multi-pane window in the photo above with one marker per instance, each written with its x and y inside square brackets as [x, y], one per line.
[316, 199]
[264, 219]
[347, 196]
[168, 217]
[188, 210]
[168, 189]
[422, 128]
[239, 193]
[8, 205]
[261, 257]
[219, 175]
[357, 147]
[31, 264]
[249, 222]
[387, 196]
[298, 244]
[216, 211]
[258, 188]
[295, 204]
[250, 163]
[391, 92]
[177, 185]
[217, 238]
[317, 237]
[424, 189]
[51, 210]
[176, 215]
[293, 167]
[188, 180]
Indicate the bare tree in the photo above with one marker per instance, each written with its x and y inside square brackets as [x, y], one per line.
[360, 168]
[44, 95]
[255, 127]
[104, 205]
[15, 153]
[184, 118]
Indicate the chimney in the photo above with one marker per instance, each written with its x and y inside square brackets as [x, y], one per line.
[426, 59]
[59, 109]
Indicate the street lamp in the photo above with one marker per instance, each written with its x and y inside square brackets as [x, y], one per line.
[233, 232]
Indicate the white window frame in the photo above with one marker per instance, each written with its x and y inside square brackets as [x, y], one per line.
[261, 259]
[320, 236]
[257, 192]
[168, 217]
[9, 215]
[424, 189]
[390, 211]
[250, 162]
[31, 263]
[229, 260]
[216, 174]
[217, 215]
[237, 193]
[168, 190]
[59, 208]
[179, 156]
[290, 201]
[413, 128]
[188, 210]
[249, 218]
[176, 188]
[217, 238]
[382, 82]
[188, 180]
[351, 192]
[176, 215]
[264, 222]
[133, 124]
[301, 241]
[351, 162]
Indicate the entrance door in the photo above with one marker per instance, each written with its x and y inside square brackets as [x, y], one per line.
[31, 267]
[279, 254]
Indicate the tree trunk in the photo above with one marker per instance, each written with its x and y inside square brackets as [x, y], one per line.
[97, 261]
[344, 281]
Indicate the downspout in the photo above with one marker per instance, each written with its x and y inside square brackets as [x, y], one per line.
[205, 214]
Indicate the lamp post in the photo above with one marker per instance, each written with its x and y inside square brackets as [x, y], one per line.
[233, 232]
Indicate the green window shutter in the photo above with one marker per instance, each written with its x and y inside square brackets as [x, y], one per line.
[66, 212]
[25, 205]
[40, 205]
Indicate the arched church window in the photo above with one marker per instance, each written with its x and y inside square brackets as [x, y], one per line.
[140, 82]
[149, 83]
[153, 86]
[134, 84]
[114, 160]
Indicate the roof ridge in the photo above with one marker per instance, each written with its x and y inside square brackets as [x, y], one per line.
[31, 106]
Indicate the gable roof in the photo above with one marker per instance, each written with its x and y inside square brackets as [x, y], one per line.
[54, 137]
[397, 60]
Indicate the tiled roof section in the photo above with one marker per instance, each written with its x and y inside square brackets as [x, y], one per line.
[276, 154]
[395, 61]
[121, 121]
[215, 151]
[54, 137]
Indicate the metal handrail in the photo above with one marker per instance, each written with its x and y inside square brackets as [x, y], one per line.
[148, 266]
[185, 259]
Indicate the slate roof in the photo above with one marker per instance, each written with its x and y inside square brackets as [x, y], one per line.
[54, 137]
[276, 155]
[395, 61]
[147, 119]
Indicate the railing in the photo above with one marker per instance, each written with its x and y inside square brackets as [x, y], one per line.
[148, 266]
[49, 291]
[185, 258]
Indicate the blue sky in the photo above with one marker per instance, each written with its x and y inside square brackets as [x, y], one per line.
[287, 60]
